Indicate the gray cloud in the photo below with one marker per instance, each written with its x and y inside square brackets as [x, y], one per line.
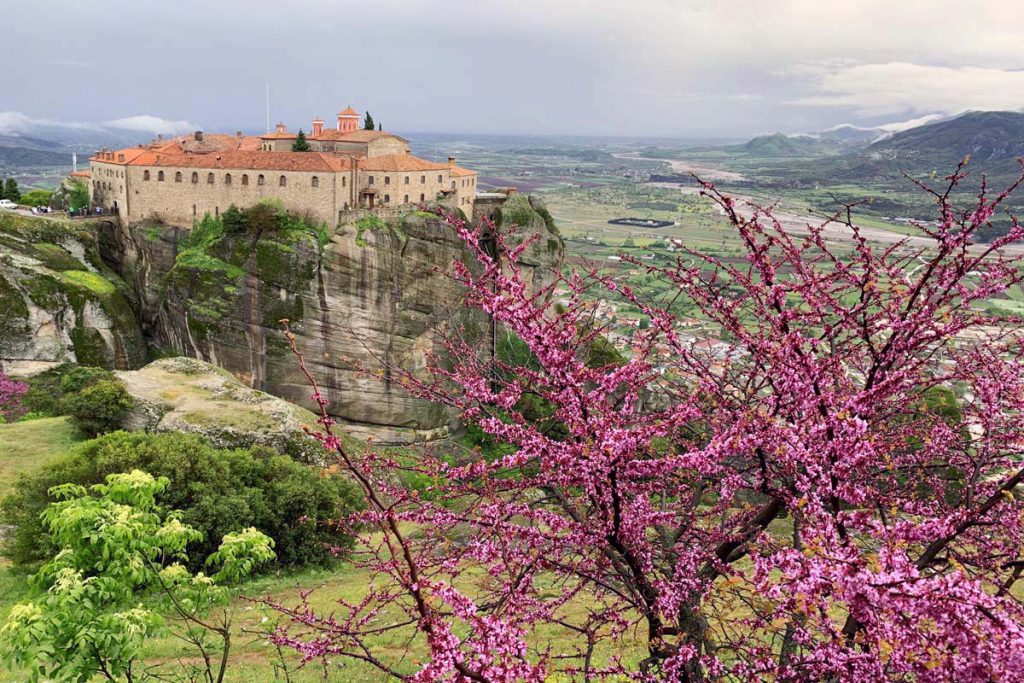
[679, 67]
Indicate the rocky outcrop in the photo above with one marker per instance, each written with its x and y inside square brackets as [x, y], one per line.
[370, 295]
[59, 302]
[192, 396]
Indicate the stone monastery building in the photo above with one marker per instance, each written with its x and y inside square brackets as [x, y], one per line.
[347, 168]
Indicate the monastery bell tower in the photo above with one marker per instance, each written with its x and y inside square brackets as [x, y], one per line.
[348, 120]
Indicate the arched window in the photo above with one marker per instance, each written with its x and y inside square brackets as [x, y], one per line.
[145, 175]
[370, 180]
[177, 176]
[260, 180]
[245, 178]
[316, 182]
[423, 197]
[405, 199]
[406, 180]
[423, 180]
[344, 181]
[387, 180]
[227, 178]
[440, 179]
[209, 179]
[160, 175]
[387, 199]
[453, 184]
[195, 177]
[282, 181]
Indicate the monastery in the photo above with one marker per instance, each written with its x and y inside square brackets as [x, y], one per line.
[177, 181]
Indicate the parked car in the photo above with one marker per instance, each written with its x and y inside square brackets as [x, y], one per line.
[7, 204]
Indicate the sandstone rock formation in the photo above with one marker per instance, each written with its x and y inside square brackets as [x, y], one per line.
[370, 294]
[189, 395]
[59, 301]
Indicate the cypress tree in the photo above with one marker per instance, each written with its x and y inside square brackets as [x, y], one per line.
[11, 190]
[368, 122]
[300, 144]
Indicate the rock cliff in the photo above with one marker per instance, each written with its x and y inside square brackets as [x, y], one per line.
[370, 294]
[59, 301]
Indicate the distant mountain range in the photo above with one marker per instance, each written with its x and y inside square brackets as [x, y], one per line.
[992, 139]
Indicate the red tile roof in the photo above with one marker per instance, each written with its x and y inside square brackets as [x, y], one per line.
[248, 160]
[279, 136]
[458, 172]
[355, 136]
[81, 174]
[348, 111]
[399, 162]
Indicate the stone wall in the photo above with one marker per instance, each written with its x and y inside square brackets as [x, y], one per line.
[182, 202]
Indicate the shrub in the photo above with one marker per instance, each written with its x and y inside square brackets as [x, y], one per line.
[115, 546]
[100, 407]
[47, 390]
[11, 394]
[219, 491]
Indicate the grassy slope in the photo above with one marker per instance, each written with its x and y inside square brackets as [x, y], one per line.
[25, 446]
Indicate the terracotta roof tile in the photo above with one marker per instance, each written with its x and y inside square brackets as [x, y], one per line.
[348, 111]
[459, 172]
[279, 136]
[399, 162]
[356, 135]
[248, 160]
[81, 174]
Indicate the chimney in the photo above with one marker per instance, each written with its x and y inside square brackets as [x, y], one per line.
[160, 137]
[199, 136]
[451, 162]
[318, 126]
[238, 134]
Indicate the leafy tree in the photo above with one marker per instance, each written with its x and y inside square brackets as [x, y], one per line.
[37, 198]
[368, 122]
[78, 197]
[300, 144]
[235, 222]
[11, 190]
[99, 408]
[764, 507]
[218, 491]
[117, 571]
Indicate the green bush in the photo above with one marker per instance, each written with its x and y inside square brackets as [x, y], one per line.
[100, 407]
[48, 389]
[219, 491]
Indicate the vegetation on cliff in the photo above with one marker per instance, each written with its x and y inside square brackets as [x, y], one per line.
[59, 300]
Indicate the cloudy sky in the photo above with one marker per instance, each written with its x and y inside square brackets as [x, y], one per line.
[691, 68]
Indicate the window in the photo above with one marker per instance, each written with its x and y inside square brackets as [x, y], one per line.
[406, 180]
[195, 178]
[440, 179]
[453, 184]
[260, 180]
[423, 197]
[245, 178]
[227, 178]
[316, 182]
[160, 176]
[387, 199]
[405, 199]
[209, 179]
[177, 177]
[282, 181]
[344, 181]
[387, 180]
[145, 175]
[370, 181]
[423, 180]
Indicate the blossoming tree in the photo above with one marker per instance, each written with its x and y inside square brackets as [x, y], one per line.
[832, 493]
